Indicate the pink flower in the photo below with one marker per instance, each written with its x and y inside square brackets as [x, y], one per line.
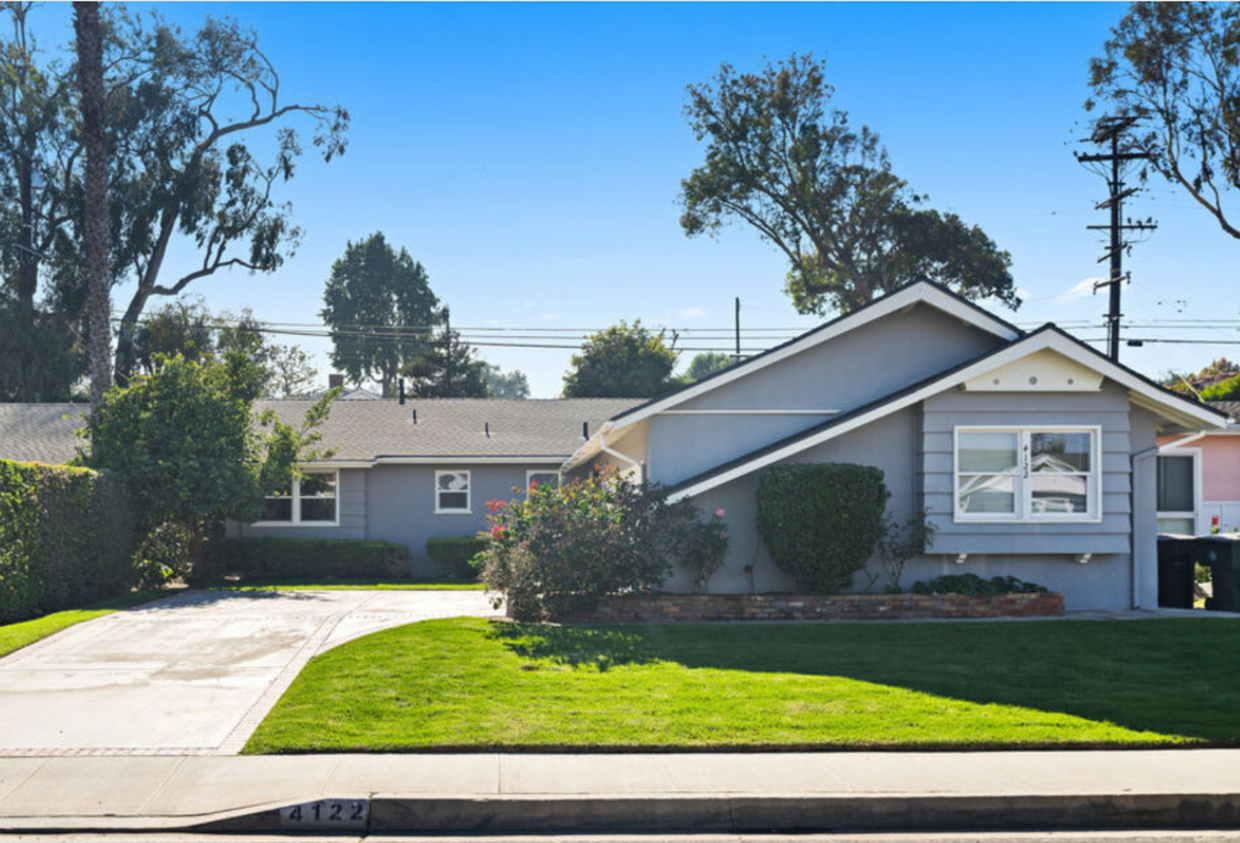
[718, 513]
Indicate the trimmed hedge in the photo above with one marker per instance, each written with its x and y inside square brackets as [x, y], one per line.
[455, 555]
[822, 521]
[66, 538]
[269, 559]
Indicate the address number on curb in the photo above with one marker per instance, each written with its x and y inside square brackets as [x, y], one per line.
[326, 813]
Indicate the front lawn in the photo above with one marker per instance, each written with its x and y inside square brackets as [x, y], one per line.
[17, 635]
[478, 684]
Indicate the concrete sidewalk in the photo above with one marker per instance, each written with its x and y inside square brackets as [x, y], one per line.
[500, 793]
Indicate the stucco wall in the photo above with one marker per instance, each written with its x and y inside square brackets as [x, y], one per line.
[1220, 467]
[842, 373]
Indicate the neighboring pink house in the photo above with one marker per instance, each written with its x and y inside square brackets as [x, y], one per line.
[1199, 479]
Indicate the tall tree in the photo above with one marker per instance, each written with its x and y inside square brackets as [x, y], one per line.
[623, 361]
[1176, 67]
[95, 205]
[192, 119]
[41, 353]
[379, 305]
[502, 384]
[781, 160]
[447, 368]
[706, 364]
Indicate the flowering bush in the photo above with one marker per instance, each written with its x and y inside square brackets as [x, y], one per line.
[555, 551]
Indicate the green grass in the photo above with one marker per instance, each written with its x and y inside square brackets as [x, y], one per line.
[477, 684]
[353, 585]
[18, 635]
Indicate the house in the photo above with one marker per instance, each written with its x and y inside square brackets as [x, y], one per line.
[1030, 453]
[1199, 478]
[399, 471]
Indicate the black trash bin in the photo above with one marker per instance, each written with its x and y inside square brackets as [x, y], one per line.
[1175, 572]
[1222, 554]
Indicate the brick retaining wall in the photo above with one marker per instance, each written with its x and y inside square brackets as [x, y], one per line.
[660, 608]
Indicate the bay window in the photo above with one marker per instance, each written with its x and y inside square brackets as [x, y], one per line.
[309, 499]
[1011, 474]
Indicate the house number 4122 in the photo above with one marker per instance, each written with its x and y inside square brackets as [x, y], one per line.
[331, 813]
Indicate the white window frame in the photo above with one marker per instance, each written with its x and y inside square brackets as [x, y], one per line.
[530, 472]
[469, 492]
[1023, 487]
[296, 504]
[1193, 515]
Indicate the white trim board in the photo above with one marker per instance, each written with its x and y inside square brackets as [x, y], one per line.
[918, 293]
[1150, 397]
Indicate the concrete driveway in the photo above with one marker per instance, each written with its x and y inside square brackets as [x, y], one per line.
[192, 674]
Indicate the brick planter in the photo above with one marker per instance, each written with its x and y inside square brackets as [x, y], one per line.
[660, 608]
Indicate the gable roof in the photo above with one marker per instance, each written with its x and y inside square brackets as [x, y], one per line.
[366, 432]
[1142, 391]
[916, 292]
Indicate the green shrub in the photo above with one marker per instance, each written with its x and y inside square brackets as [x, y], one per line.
[269, 559]
[455, 555]
[974, 586]
[164, 554]
[66, 539]
[559, 549]
[822, 521]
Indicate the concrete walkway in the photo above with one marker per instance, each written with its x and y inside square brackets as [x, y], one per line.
[192, 674]
[497, 793]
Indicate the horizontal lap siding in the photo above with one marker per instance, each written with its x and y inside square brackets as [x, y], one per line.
[1107, 408]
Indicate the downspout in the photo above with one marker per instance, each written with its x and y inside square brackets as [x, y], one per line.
[1133, 459]
[641, 468]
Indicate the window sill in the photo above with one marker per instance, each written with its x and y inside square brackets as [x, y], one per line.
[265, 524]
[454, 512]
[1050, 519]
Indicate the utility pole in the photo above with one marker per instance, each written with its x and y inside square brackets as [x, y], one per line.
[1109, 130]
[736, 358]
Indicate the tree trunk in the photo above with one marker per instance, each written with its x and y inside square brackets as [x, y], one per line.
[94, 132]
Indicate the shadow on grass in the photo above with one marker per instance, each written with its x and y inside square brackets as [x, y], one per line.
[576, 646]
[1173, 677]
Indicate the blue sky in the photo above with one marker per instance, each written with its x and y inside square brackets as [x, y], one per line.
[530, 157]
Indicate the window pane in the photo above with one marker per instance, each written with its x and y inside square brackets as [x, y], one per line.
[318, 509]
[1065, 494]
[1175, 484]
[1176, 526]
[987, 451]
[544, 478]
[453, 500]
[994, 493]
[453, 482]
[1062, 452]
[317, 485]
[277, 509]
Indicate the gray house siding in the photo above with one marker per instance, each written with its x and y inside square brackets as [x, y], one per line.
[843, 373]
[401, 503]
[1107, 409]
[1144, 436]
[888, 444]
[350, 502]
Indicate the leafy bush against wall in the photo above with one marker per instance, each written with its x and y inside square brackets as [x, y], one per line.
[66, 538]
[560, 549]
[821, 521]
[455, 555]
[973, 585]
[268, 559]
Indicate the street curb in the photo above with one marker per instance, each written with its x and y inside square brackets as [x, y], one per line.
[703, 813]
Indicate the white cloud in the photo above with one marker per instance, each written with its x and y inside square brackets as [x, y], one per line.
[528, 304]
[548, 317]
[1023, 294]
[691, 313]
[1081, 290]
